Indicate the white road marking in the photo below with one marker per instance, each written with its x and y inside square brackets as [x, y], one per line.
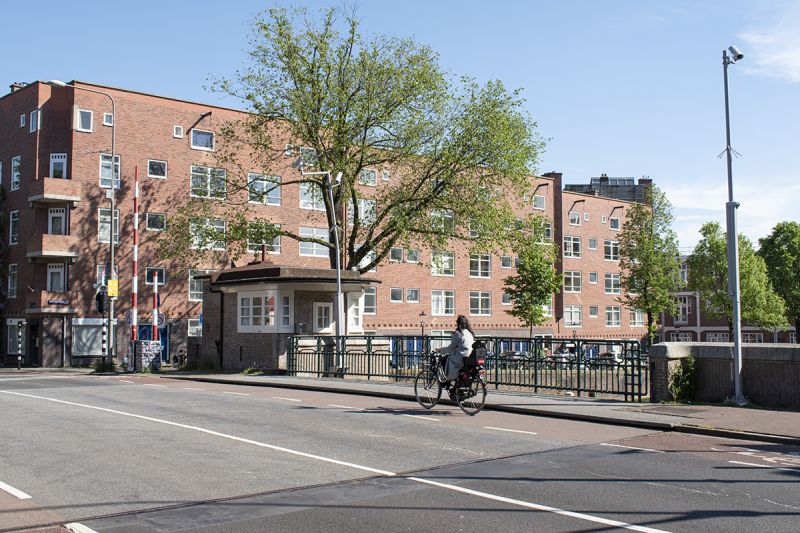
[631, 447]
[287, 399]
[209, 432]
[510, 430]
[538, 507]
[192, 388]
[153, 385]
[766, 466]
[422, 417]
[79, 528]
[126, 381]
[14, 492]
[345, 407]
[236, 393]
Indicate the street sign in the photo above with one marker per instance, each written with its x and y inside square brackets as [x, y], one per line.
[161, 320]
[113, 288]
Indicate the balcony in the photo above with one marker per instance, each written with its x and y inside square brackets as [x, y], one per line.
[53, 191]
[52, 302]
[47, 247]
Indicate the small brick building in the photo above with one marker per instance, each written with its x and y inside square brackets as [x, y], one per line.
[250, 312]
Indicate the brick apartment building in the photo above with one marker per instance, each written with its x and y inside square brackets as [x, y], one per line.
[55, 170]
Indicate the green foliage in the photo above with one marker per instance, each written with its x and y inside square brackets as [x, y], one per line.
[368, 104]
[649, 258]
[708, 275]
[683, 381]
[536, 279]
[781, 252]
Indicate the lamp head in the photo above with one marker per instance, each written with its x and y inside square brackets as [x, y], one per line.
[736, 54]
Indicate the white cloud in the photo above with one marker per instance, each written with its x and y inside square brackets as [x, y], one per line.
[774, 50]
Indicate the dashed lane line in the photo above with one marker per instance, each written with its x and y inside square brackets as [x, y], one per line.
[422, 417]
[126, 381]
[287, 399]
[631, 447]
[345, 407]
[192, 388]
[797, 470]
[236, 393]
[153, 385]
[511, 430]
[14, 492]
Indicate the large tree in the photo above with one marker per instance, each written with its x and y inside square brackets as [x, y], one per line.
[781, 251]
[708, 275]
[649, 258]
[458, 153]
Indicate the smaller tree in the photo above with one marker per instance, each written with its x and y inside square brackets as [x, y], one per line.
[537, 279]
[649, 258]
[708, 276]
[781, 252]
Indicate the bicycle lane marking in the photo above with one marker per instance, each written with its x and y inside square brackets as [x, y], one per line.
[14, 492]
[511, 501]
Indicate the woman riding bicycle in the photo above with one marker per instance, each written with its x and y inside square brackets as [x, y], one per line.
[460, 348]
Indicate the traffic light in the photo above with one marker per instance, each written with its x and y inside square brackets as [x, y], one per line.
[100, 299]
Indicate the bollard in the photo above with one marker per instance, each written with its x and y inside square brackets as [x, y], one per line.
[20, 325]
[103, 349]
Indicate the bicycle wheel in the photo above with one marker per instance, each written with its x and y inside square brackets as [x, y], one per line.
[427, 389]
[472, 399]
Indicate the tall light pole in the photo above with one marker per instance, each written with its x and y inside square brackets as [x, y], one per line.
[733, 242]
[111, 196]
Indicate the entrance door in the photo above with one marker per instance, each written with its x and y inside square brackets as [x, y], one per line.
[32, 357]
[146, 334]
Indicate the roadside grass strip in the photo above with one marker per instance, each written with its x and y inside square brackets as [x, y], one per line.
[464, 490]
[14, 492]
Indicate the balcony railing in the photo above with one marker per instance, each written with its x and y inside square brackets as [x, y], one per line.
[53, 247]
[54, 190]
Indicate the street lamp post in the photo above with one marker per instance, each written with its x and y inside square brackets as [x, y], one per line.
[733, 242]
[111, 196]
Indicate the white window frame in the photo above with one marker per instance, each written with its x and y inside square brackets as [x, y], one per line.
[108, 119]
[610, 250]
[410, 298]
[505, 299]
[547, 309]
[177, 131]
[23, 120]
[287, 311]
[636, 318]
[162, 280]
[440, 298]
[312, 249]
[199, 147]
[194, 327]
[483, 299]
[443, 263]
[373, 182]
[54, 213]
[60, 159]
[717, 336]
[116, 171]
[593, 243]
[396, 297]
[273, 248]
[78, 121]
[539, 202]
[317, 308]
[393, 257]
[412, 255]
[208, 175]
[611, 224]
[113, 225]
[215, 222]
[572, 246]
[16, 172]
[13, 227]
[751, 337]
[266, 311]
[593, 275]
[156, 176]
[355, 323]
[680, 336]
[575, 278]
[612, 283]
[35, 122]
[570, 314]
[506, 261]
[148, 227]
[194, 295]
[613, 316]
[101, 272]
[367, 212]
[61, 270]
[576, 220]
[480, 266]
[258, 183]
[370, 293]
[594, 310]
[684, 310]
[11, 282]
[385, 175]
[309, 199]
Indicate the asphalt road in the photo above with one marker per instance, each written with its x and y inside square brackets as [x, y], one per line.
[135, 454]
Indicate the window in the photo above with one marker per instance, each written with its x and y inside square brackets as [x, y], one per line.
[57, 221]
[574, 218]
[264, 189]
[311, 196]
[323, 317]
[684, 272]
[22, 120]
[548, 231]
[443, 303]
[370, 301]
[385, 175]
[636, 318]
[208, 233]
[202, 139]
[613, 316]
[286, 311]
[573, 315]
[12, 281]
[209, 182]
[108, 119]
[368, 258]
[572, 281]
[102, 273]
[16, 172]
[55, 277]
[314, 249]
[593, 278]
[368, 177]
[480, 303]
[716, 337]
[612, 284]
[150, 275]
[105, 171]
[156, 168]
[396, 255]
[196, 285]
[684, 308]
[603, 219]
[793, 338]
[412, 296]
[586, 217]
[353, 312]
[156, 222]
[195, 328]
[593, 311]
[257, 310]
[396, 295]
[613, 224]
[412, 255]
[611, 250]
[538, 202]
[480, 265]
[753, 338]
[572, 246]
[443, 220]
[592, 243]
[177, 132]
[443, 263]
[308, 157]
[367, 213]
[273, 246]
[58, 166]
[34, 122]
[547, 309]
[13, 227]
[680, 336]
[506, 299]
[84, 120]
[506, 261]
[104, 225]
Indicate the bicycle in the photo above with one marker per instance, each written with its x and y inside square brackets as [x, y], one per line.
[468, 390]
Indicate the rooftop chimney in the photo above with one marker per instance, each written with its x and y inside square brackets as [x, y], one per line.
[17, 85]
[604, 177]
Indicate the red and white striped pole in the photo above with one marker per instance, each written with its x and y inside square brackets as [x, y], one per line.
[155, 305]
[135, 285]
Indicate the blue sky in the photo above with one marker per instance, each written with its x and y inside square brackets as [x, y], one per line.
[626, 88]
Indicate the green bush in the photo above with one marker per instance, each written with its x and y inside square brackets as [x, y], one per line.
[683, 381]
